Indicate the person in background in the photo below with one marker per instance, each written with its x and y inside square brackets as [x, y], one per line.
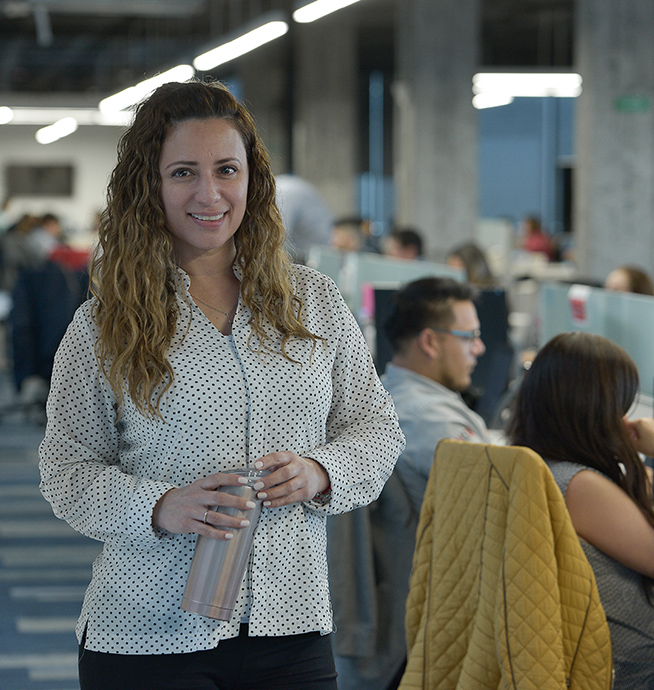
[354, 234]
[16, 252]
[348, 234]
[535, 239]
[434, 332]
[307, 219]
[46, 237]
[6, 218]
[204, 349]
[571, 409]
[629, 279]
[472, 259]
[43, 297]
[404, 244]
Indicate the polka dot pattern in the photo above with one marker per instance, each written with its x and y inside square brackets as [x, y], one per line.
[228, 406]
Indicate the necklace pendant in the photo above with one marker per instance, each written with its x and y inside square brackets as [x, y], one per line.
[220, 311]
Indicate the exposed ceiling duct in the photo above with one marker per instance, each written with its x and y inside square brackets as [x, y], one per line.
[97, 47]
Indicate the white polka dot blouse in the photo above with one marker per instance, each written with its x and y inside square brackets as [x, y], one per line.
[228, 406]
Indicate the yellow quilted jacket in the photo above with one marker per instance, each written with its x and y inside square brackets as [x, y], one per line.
[501, 594]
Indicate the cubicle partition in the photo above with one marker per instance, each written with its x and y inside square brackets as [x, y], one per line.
[353, 270]
[625, 318]
[368, 283]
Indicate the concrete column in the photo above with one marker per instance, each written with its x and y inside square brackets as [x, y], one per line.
[266, 93]
[435, 137]
[614, 173]
[325, 139]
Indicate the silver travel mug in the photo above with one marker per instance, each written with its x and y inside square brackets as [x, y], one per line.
[218, 566]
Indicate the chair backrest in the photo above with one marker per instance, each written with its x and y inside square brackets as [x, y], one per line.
[501, 592]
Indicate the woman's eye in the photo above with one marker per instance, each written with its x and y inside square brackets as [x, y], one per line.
[182, 172]
[228, 170]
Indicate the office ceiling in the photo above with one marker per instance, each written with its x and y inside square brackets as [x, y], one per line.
[96, 47]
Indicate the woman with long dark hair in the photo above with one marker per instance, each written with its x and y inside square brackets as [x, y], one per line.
[571, 409]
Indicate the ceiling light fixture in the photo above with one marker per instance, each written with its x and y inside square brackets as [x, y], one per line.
[6, 115]
[490, 100]
[60, 129]
[23, 115]
[240, 45]
[318, 9]
[500, 88]
[133, 94]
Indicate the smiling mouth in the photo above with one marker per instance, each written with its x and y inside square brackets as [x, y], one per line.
[199, 217]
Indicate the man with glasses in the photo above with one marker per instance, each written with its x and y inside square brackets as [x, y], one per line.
[434, 333]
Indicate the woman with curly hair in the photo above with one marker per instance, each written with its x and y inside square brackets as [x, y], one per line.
[571, 409]
[203, 349]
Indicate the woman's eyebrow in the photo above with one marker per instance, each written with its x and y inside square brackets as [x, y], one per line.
[221, 161]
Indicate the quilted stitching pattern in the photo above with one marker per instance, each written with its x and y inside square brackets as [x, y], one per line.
[502, 595]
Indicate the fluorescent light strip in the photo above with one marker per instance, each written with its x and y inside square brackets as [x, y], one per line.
[525, 84]
[6, 115]
[47, 116]
[241, 45]
[494, 89]
[132, 95]
[490, 100]
[318, 9]
[58, 130]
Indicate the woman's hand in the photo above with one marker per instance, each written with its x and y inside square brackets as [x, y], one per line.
[292, 479]
[641, 432]
[188, 509]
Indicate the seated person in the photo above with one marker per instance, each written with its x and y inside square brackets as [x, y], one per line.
[629, 279]
[434, 333]
[354, 234]
[347, 235]
[571, 409]
[433, 330]
[404, 244]
[473, 261]
[535, 239]
[46, 237]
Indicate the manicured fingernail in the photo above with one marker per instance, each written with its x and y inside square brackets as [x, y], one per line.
[243, 480]
[245, 523]
[257, 486]
[262, 495]
[258, 464]
[229, 535]
[250, 504]
[267, 504]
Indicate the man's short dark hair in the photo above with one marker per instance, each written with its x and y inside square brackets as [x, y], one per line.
[424, 303]
[408, 237]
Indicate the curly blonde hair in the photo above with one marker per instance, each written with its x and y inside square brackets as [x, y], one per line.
[134, 276]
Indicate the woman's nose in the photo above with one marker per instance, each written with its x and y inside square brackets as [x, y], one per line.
[208, 190]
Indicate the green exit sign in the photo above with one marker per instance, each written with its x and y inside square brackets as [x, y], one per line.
[632, 104]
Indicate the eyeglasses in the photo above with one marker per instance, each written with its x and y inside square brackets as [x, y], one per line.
[468, 336]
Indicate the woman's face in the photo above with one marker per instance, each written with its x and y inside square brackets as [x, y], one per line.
[204, 187]
[618, 280]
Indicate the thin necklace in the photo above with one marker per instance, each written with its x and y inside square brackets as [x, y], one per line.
[226, 313]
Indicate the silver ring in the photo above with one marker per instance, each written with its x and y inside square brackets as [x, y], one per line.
[204, 519]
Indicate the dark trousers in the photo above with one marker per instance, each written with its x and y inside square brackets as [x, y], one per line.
[293, 662]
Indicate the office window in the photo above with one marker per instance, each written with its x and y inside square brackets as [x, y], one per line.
[39, 180]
